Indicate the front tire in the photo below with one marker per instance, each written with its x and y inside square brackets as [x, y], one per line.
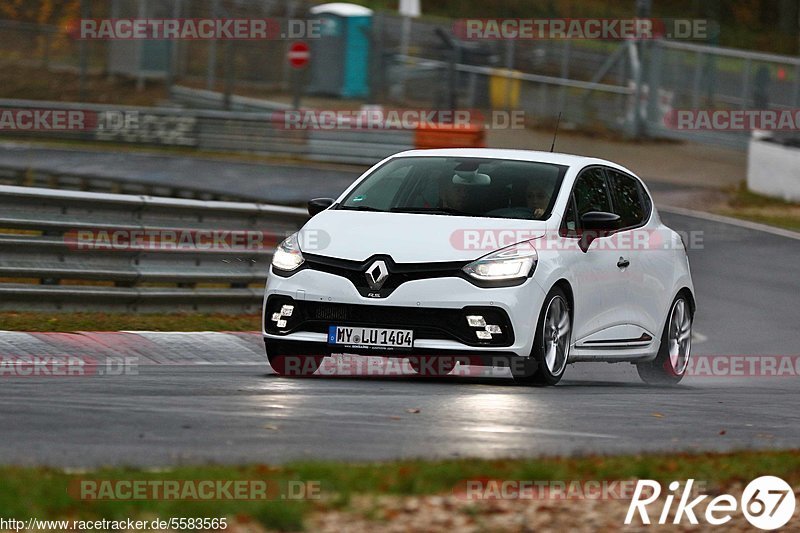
[669, 366]
[285, 363]
[551, 344]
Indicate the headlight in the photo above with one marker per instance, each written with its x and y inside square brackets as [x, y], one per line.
[516, 261]
[287, 255]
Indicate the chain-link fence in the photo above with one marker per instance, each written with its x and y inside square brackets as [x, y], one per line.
[621, 86]
[707, 78]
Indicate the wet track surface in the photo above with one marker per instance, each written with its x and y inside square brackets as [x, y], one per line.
[169, 415]
[219, 401]
[261, 182]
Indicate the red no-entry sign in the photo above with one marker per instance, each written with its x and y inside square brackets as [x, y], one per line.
[299, 54]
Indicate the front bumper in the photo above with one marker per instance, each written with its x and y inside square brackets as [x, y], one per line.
[435, 309]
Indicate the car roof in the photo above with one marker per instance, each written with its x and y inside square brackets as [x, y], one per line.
[555, 158]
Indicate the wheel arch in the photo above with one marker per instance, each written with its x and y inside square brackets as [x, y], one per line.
[565, 286]
[687, 292]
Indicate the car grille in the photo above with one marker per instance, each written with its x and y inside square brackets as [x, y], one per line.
[427, 323]
[399, 273]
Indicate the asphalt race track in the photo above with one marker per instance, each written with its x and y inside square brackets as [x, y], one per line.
[214, 398]
[259, 182]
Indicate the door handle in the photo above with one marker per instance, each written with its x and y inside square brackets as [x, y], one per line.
[623, 263]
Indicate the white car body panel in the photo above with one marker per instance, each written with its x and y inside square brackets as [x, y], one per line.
[618, 314]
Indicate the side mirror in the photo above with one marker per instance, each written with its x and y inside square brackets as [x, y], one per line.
[317, 205]
[600, 221]
[596, 224]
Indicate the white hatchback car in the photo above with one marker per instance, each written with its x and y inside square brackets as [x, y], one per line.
[530, 260]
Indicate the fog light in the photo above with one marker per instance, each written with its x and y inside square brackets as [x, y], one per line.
[493, 329]
[476, 321]
[281, 323]
[287, 310]
[483, 335]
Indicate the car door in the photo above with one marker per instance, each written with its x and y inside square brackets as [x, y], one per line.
[600, 292]
[645, 247]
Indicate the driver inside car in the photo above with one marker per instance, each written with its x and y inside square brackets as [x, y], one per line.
[457, 196]
[537, 199]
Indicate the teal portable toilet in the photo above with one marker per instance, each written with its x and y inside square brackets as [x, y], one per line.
[340, 56]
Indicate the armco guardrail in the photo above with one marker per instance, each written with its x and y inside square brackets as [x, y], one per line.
[204, 99]
[262, 132]
[80, 251]
[24, 175]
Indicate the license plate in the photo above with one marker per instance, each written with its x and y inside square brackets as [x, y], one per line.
[370, 337]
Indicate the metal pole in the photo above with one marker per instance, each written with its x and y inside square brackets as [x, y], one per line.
[296, 88]
[796, 86]
[212, 52]
[454, 58]
[562, 94]
[405, 36]
[140, 49]
[510, 45]
[698, 74]
[644, 9]
[172, 52]
[376, 86]
[84, 60]
[636, 70]
[230, 57]
[654, 74]
[746, 84]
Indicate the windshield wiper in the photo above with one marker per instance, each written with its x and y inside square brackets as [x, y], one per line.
[432, 211]
[360, 208]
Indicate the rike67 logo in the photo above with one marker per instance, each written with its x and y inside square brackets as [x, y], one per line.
[767, 502]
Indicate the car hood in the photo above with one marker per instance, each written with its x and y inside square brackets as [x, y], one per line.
[412, 238]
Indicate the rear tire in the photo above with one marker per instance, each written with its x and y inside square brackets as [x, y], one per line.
[551, 344]
[669, 366]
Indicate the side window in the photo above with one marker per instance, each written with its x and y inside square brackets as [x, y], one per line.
[627, 199]
[591, 192]
[569, 227]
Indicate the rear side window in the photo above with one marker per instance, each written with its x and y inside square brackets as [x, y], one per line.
[628, 199]
[591, 192]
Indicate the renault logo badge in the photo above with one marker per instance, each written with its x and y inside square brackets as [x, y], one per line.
[376, 275]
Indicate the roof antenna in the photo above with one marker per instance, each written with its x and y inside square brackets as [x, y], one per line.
[555, 133]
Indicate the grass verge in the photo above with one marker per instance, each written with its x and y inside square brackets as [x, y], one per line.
[755, 207]
[43, 492]
[66, 322]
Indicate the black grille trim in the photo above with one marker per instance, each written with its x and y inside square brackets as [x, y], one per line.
[399, 273]
[427, 322]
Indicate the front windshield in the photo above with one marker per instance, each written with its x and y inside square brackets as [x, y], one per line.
[460, 186]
